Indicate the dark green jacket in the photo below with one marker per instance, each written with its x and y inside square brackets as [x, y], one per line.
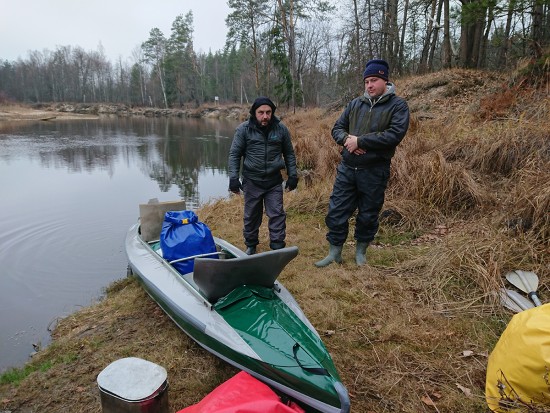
[263, 156]
[380, 125]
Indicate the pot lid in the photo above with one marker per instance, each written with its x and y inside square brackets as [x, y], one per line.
[132, 378]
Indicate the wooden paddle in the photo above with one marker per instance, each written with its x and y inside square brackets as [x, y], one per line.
[513, 300]
[527, 282]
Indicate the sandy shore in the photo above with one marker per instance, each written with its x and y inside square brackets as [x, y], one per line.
[67, 111]
[22, 113]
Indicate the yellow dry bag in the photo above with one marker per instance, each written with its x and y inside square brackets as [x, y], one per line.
[518, 368]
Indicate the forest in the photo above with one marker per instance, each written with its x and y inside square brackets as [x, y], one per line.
[302, 53]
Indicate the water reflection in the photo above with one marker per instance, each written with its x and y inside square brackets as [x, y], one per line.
[70, 190]
[171, 152]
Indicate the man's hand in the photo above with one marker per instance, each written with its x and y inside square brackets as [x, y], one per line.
[235, 185]
[291, 183]
[352, 145]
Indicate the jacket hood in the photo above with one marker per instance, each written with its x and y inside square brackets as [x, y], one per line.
[390, 90]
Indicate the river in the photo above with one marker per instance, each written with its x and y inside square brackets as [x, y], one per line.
[70, 190]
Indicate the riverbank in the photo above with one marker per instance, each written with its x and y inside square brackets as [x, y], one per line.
[18, 113]
[69, 111]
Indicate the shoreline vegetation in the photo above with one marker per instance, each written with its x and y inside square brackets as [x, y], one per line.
[468, 200]
[69, 111]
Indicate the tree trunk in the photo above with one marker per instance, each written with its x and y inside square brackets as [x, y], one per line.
[503, 51]
[255, 52]
[357, 39]
[483, 49]
[437, 26]
[447, 49]
[392, 33]
[473, 25]
[287, 21]
[537, 34]
[423, 64]
[478, 43]
[402, 41]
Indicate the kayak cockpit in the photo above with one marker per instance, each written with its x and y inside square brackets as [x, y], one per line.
[216, 278]
[218, 273]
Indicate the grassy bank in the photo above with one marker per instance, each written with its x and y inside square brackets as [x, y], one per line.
[411, 332]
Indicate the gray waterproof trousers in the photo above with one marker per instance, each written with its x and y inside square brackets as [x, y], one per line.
[255, 198]
[361, 189]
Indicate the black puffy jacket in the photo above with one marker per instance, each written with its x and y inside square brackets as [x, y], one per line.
[380, 125]
[263, 156]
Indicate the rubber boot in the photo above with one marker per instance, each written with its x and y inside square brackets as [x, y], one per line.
[277, 245]
[334, 255]
[251, 250]
[361, 253]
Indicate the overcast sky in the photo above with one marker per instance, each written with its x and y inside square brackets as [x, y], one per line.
[118, 25]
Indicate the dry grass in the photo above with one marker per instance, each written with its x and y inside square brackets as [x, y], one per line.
[128, 323]
[530, 202]
[316, 152]
[468, 201]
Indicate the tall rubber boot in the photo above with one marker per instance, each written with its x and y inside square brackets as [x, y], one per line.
[334, 255]
[361, 253]
[274, 245]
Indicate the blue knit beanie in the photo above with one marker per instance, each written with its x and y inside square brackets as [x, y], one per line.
[378, 68]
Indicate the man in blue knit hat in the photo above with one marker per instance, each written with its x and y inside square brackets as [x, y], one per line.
[369, 130]
[263, 145]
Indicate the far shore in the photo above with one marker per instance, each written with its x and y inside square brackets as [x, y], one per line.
[84, 111]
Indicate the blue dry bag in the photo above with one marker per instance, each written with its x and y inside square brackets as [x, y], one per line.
[183, 235]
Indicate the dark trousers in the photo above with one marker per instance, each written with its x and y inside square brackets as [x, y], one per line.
[255, 199]
[361, 189]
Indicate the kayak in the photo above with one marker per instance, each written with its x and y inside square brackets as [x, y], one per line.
[233, 306]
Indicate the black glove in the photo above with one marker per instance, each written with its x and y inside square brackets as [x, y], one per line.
[291, 183]
[235, 185]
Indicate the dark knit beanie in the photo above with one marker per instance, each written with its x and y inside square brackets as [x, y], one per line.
[262, 100]
[378, 68]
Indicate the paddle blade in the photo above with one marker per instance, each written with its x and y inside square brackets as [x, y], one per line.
[507, 302]
[526, 281]
[530, 278]
[513, 300]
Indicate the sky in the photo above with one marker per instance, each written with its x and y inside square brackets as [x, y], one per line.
[119, 26]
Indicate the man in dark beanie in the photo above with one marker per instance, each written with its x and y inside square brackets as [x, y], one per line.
[369, 130]
[264, 145]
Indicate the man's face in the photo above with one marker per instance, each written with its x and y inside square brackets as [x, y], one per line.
[263, 115]
[375, 86]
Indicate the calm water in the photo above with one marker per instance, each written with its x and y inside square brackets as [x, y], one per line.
[69, 192]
